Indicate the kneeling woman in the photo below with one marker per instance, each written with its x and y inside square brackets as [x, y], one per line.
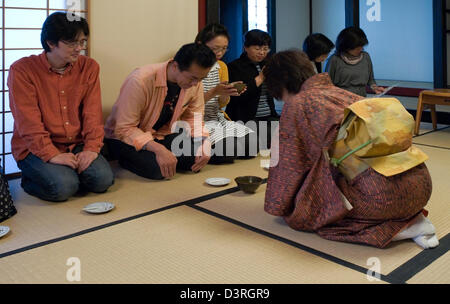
[313, 195]
[229, 139]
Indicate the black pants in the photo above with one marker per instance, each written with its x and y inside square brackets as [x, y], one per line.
[230, 148]
[143, 163]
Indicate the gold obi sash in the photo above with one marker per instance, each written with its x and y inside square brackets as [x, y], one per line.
[376, 133]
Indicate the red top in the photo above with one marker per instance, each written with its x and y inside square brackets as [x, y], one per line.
[54, 112]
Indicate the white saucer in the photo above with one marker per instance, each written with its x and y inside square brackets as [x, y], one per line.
[4, 230]
[218, 181]
[100, 207]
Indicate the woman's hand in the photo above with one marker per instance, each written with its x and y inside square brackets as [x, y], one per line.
[377, 89]
[226, 89]
[241, 91]
[260, 78]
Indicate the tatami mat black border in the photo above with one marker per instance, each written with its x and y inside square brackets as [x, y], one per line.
[418, 263]
[291, 243]
[432, 131]
[432, 146]
[429, 132]
[399, 276]
[127, 219]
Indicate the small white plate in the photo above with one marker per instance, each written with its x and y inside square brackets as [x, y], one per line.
[100, 207]
[4, 230]
[218, 181]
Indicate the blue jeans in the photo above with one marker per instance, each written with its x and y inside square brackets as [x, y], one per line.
[57, 183]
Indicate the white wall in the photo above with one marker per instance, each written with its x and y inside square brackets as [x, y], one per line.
[129, 34]
[292, 23]
[328, 17]
[401, 42]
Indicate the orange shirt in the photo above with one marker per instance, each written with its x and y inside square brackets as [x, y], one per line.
[53, 112]
[140, 103]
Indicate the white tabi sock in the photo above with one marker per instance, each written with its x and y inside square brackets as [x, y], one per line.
[421, 230]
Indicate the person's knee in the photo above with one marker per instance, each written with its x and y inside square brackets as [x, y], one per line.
[98, 180]
[102, 182]
[48, 181]
[185, 163]
[62, 189]
[148, 169]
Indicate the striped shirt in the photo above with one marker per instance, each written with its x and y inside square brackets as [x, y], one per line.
[215, 122]
[210, 82]
[263, 105]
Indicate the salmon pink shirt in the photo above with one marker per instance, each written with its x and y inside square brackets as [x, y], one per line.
[140, 103]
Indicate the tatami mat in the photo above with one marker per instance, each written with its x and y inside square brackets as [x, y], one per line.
[248, 209]
[180, 245]
[437, 273]
[227, 239]
[426, 127]
[439, 167]
[439, 138]
[38, 221]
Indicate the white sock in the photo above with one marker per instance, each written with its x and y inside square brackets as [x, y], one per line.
[421, 230]
[427, 241]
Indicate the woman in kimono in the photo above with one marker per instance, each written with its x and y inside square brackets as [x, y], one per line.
[368, 207]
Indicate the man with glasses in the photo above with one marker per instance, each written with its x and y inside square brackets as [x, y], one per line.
[141, 130]
[255, 104]
[56, 104]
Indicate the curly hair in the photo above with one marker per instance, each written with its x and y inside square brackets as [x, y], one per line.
[287, 70]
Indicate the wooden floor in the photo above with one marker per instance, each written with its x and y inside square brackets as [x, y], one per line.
[184, 231]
